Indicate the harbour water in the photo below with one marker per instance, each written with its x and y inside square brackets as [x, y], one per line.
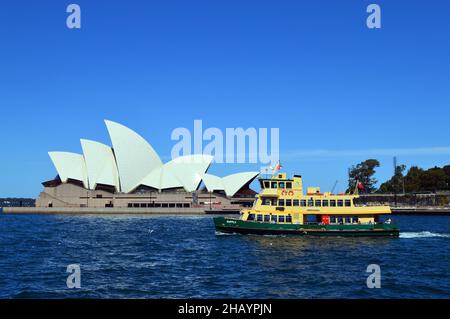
[182, 257]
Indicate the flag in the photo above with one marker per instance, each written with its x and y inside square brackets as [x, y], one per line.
[277, 167]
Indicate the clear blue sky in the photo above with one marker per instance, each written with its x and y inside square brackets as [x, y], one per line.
[339, 92]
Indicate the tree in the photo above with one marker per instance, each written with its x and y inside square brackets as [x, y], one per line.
[418, 180]
[363, 173]
[433, 180]
[413, 179]
[396, 183]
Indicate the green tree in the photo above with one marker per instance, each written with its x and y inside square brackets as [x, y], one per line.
[396, 183]
[413, 179]
[363, 173]
[433, 180]
[418, 180]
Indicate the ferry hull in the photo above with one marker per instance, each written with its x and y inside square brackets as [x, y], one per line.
[234, 226]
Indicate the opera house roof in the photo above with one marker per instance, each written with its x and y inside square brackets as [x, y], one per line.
[132, 162]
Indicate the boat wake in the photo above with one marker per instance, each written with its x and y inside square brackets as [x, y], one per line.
[218, 233]
[423, 234]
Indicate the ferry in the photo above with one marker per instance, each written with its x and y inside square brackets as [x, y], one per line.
[281, 208]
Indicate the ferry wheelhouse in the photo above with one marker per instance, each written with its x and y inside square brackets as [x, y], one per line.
[281, 208]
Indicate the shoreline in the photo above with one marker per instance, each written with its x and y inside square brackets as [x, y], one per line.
[443, 211]
[112, 211]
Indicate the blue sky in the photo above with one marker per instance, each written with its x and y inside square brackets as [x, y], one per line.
[339, 92]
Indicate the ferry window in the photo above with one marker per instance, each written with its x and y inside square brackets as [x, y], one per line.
[130, 205]
[266, 185]
[157, 205]
[348, 203]
[303, 202]
[333, 203]
[143, 205]
[179, 205]
[348, 220]
[281, 202]
[274, 218]
[325, 203]
[186, 205]
[296, 202]
[340, 220]
[281, 185]
[135, 205]
[281, 219]
[266, 201]
[288, 202]
[333, 219]
[288, 184]
[288, 219]
[165, 205]
[340, 203]
[355, 219]
[274, 202]
[251, 217]
[310, 203]
[318, 203]
[259, 218]
[274, 185]
[267, 218]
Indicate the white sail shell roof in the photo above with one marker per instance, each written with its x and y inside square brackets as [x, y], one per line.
[134, 155]
[70, 165]
[100, 164]
[233, 183]
[161, 178]
[213, 183]
[190, 170]
[133, 162]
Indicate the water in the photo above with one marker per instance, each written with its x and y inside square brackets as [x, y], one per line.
[182, 257]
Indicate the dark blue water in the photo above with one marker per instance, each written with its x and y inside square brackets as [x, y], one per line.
[182, 257]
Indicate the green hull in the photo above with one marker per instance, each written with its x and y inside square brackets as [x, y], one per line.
[229, 225]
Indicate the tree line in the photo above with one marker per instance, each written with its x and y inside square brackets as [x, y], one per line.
[416, 179]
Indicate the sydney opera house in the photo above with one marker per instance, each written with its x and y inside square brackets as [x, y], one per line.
[130, 174]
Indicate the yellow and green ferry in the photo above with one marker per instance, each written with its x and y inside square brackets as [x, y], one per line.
[281, 208]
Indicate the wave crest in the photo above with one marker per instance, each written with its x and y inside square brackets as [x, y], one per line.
[423, 234]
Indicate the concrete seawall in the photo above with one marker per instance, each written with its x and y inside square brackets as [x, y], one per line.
[106, 211]
[185, 211]
[421, 211]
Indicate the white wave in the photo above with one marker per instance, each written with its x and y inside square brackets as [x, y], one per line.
[423, 234]
[218, 233]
